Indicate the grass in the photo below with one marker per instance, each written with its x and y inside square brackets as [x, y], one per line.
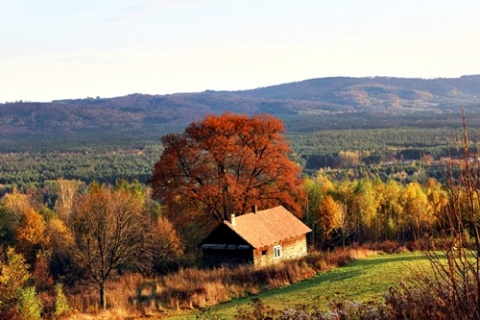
[365, 281]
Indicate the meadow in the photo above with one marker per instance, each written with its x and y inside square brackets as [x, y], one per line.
[363, 281]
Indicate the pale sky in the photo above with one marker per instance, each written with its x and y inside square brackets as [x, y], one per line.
[59, 49]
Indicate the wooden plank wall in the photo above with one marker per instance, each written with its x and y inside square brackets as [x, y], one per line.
[291, 249]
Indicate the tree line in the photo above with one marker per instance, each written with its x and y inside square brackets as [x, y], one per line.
[91, 233]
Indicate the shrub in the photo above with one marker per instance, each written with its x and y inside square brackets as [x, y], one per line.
[61, 303]
[338, 311]
[387, 246]
[29, 305]
[258, 311]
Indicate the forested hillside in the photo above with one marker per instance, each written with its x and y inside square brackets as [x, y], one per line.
[329, 121]
[324, 96]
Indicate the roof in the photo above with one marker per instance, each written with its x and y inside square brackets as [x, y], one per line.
[267, 226]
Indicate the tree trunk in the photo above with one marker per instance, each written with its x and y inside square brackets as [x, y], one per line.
[103, 298]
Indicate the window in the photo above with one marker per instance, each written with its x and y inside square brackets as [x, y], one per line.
[277, 252]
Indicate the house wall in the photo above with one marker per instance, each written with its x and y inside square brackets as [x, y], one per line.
[291, 249]
[229, 258]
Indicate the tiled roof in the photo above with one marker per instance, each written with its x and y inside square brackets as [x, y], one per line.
[268, 226]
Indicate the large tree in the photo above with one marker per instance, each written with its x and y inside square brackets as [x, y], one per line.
[225, 164]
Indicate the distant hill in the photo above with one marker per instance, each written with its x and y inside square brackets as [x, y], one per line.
[324, 96]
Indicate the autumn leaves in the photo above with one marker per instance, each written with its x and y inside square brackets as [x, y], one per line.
[224, 165]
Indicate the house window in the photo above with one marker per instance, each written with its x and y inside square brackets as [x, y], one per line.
[277, 251]
[264, 252]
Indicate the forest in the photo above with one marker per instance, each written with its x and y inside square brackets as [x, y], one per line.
[387, 121]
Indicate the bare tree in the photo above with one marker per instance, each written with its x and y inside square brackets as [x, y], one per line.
[66, 191]
[108, 228]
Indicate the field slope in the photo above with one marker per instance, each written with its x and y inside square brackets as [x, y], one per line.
[361, 281]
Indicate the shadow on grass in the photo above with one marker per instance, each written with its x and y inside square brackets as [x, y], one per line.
[364, 277]
[389, 258]
[352, 270]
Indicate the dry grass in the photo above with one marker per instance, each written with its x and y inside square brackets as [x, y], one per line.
[136, 296]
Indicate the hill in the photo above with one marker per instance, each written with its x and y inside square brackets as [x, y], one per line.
[290, 101]
[380, 120]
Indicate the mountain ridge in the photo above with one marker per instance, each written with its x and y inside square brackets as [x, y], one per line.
[319, 97]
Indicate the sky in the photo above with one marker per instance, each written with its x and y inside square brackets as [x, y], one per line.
[69, 49]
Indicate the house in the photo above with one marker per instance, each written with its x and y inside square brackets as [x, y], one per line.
[260, 238]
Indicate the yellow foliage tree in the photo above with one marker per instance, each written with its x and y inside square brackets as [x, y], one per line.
[16, 203]
[389, 209]
[438, 198]
[13, 276]
[349, 158]
[326, 185]
[164, 244]
[416, 212]
[61, 245]
[30, 234]
[329, 216]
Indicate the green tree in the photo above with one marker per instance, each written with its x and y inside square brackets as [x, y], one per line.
[7, 231]
[314, 196]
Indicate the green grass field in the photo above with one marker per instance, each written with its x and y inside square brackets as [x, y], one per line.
[361, 281]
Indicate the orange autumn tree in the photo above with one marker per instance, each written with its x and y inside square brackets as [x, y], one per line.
[225, 164]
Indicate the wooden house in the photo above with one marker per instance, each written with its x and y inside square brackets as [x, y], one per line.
[260, 238]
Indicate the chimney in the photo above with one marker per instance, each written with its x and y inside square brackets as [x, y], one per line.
[254, 209]
[232, 219]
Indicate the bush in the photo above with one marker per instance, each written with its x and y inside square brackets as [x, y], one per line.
[29, 305]
[388, 246]
[338, 311]
[61, 303]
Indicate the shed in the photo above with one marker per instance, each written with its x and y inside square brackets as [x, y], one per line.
[260, 238]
